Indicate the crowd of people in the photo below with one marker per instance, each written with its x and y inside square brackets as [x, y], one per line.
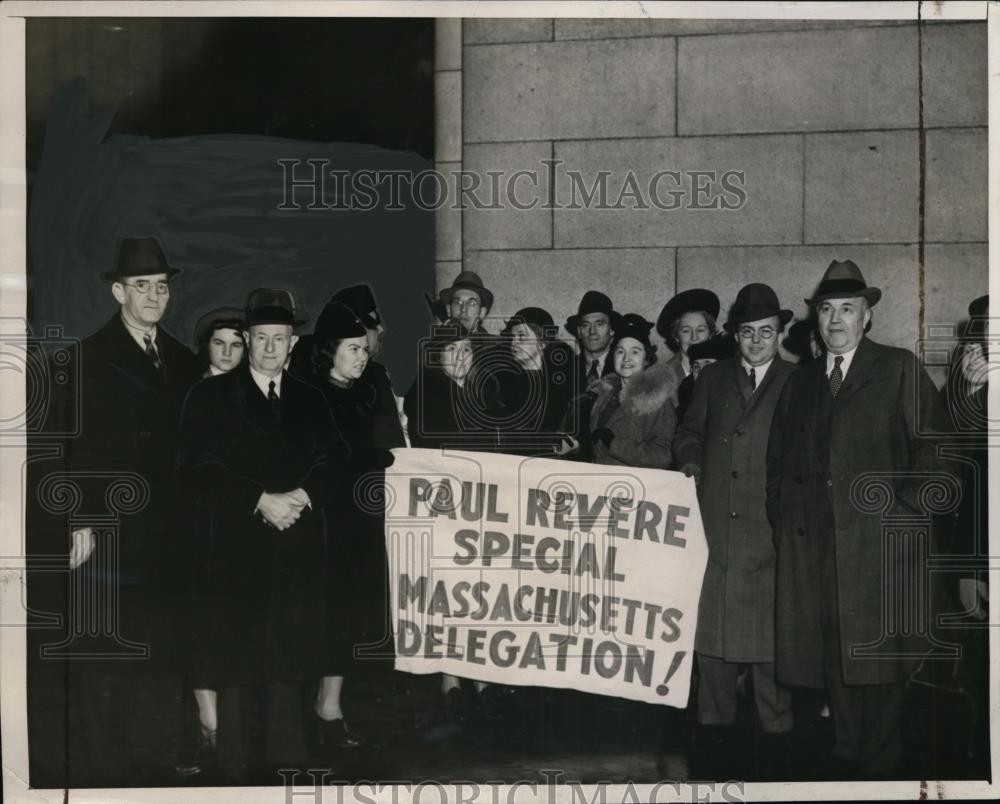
[253, 574]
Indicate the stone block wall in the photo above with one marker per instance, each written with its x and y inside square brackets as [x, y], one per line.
[821, 118]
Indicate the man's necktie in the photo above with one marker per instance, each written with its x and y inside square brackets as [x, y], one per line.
[753, 378]
[593, 374]
[272, 396]
[836, 376]
[152, 353]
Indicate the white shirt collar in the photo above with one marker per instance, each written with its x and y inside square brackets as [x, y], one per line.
[138, 335]
[845, 364]
[759, 371]
[264, 382]
[599, 358]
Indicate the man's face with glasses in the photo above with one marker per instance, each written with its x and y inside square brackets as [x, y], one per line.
[467, 308]
[143, 299]
[759, 340]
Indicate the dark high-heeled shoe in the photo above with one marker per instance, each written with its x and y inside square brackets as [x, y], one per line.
[335, 734]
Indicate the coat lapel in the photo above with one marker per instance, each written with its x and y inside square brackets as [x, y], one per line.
[762, 386]
[129, 359]
[256, 409]
[863, 369]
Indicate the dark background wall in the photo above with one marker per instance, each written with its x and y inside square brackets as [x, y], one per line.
[174, 127]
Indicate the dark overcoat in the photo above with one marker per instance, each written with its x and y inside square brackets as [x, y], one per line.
[725, 433]
[880, 423]
[358, 573]
[644, 422]
[261, 596]
[129, 415]
[535, 405]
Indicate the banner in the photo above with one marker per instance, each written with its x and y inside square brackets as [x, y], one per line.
[543, 572]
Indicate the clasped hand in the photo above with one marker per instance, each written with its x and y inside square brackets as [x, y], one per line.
[284, 509]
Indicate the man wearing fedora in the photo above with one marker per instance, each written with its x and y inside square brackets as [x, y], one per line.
[593, 327]
[864, 407]
[467, 301]
[133, 379]
[723, 443]
[260, 454]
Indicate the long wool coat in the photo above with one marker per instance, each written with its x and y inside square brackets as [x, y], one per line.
[129, 413]
[261, 599]
[644, 423]
[880, 421]
[725, 433]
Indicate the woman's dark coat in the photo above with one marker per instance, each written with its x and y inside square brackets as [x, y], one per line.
[358, 596]
[261, 593]
[535, 403]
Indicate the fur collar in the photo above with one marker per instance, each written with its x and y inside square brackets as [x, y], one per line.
[647, 393]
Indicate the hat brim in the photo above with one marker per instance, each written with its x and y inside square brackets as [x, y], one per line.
[689, 301]
[573, 322]
[117, 276]
[264, 318]
[209, 322]
[484, 295]
[871, 295]
[784, 315]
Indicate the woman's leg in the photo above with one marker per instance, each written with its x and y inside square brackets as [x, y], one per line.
[208, 712]
[328, 698]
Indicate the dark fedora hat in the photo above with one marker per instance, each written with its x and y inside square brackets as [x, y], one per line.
[338, 320]
[797, 339]
[719, 347]
[362, 301]
[467, 280]
[633, 325]
[754, 302]
[979, 307]
[272, 306]
[844, 280]
[695, 300]
[139, 256]
[532, 316]
[593, 301]
[220, 318]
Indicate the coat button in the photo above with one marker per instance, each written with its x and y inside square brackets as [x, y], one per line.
[739, 432]
[798, 480]
[733, 515]
[735, 473]
[801, 532]
[829, 482]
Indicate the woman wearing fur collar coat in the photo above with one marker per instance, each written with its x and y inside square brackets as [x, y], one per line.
[632, 421]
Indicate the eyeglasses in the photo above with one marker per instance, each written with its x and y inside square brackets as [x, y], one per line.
[765, 333]
[143, 286]
[463, 303]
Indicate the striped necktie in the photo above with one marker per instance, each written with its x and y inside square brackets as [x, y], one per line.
[152, 354]
[836, 376]
[753, 378]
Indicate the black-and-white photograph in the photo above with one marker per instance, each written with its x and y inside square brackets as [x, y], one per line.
[420, 401]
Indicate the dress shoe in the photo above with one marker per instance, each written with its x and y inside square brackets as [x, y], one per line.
[335, 734]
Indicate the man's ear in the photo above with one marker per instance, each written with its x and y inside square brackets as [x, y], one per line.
[482, 312]
[246, 337]
[293, 340]
[118, 291]
[867, 316]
